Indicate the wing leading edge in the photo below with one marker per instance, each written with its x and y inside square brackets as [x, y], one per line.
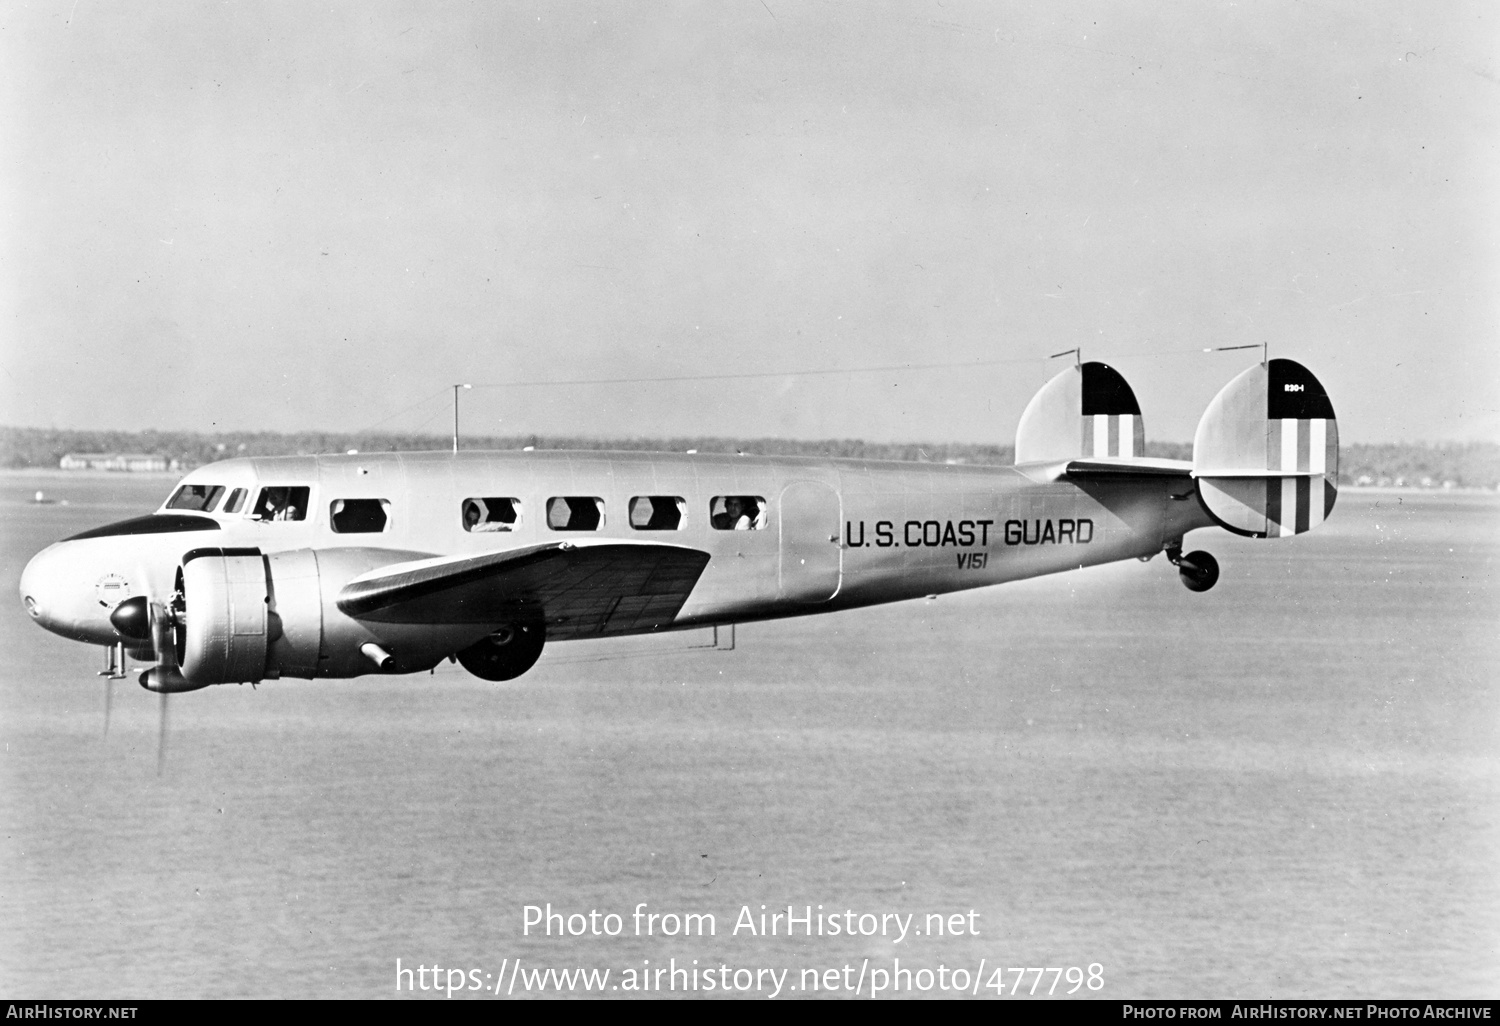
[578, 590]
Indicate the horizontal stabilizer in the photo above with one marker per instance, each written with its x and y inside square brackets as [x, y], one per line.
[1084, 469]
[1266, 453]
[1086, 411]
[1139, 466]
[577, 589]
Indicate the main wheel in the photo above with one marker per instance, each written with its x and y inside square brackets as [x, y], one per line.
[506, 652]
[1199, 571]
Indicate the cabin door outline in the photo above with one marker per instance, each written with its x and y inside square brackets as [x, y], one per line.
[812, 560]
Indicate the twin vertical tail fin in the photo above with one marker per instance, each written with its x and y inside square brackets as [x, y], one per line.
[1086, 411]
[1265, 456]
[1266, 453]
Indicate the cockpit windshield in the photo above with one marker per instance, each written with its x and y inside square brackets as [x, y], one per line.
[200, 498]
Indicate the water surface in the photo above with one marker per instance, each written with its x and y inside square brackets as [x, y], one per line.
[1285, 787]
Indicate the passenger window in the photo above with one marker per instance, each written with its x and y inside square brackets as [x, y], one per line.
[196, 497]
[358, 516]
[236, 500]
[491, 514]
[737, 513]
[657, 512]
[281, 503]
[575, 513]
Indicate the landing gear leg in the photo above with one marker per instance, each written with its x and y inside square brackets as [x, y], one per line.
[114, 669]
[114, 662]
[1199, 570]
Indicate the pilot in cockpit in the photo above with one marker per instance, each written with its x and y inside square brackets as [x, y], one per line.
[272, 505]
[279, 504]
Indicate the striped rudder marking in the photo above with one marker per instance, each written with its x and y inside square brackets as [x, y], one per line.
[1266, 453]
[1119, 434]
[1290, 505]
[1111, 416]
[1307, 446]
[1301, 446]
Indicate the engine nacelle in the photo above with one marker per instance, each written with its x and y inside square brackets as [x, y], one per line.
[249, 616]
[227, 631]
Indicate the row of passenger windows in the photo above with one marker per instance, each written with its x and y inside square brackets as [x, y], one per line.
[482, 514]
[587, 513]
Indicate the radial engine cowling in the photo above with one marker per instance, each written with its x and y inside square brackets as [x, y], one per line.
[228, 625]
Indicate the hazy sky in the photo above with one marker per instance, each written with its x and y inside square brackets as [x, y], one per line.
[291, 215]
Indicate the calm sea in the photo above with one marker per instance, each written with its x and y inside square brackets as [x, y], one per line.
[1288, 786]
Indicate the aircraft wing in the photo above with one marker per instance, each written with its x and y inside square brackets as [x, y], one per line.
[580, 590]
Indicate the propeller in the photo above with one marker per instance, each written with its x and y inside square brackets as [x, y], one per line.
[142, 618]
[132, 619]
[164, 641]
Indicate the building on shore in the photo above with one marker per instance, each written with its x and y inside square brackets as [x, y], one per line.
[129, 462]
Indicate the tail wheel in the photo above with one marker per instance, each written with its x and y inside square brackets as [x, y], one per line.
[1199, 570]
[506, 652]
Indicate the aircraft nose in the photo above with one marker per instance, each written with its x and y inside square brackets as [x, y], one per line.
[60, 595]
[39, 588]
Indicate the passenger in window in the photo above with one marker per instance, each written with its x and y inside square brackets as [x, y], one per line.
[475, 520]
[737, 516]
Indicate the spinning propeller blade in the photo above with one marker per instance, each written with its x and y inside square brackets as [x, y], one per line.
[165, 675]
[161, 735]
[145, 618]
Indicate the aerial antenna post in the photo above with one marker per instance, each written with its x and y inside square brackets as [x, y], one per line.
[455, 414]
[1264, 348]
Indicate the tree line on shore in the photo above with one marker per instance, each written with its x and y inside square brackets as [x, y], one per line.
[1433, 465]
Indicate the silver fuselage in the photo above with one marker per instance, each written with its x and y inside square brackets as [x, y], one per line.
[832, 534]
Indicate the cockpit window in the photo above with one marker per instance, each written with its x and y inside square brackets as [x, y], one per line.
[281, 502]
[575, 513]
[492, 513]
[358, 516]
[236, 500]
[200, 498]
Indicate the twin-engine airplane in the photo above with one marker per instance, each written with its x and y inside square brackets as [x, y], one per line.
[338, 566]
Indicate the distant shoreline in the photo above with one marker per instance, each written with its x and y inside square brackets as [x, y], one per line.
[1349, 489]
[58, 474]
[96, 475]
[1464, 465]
